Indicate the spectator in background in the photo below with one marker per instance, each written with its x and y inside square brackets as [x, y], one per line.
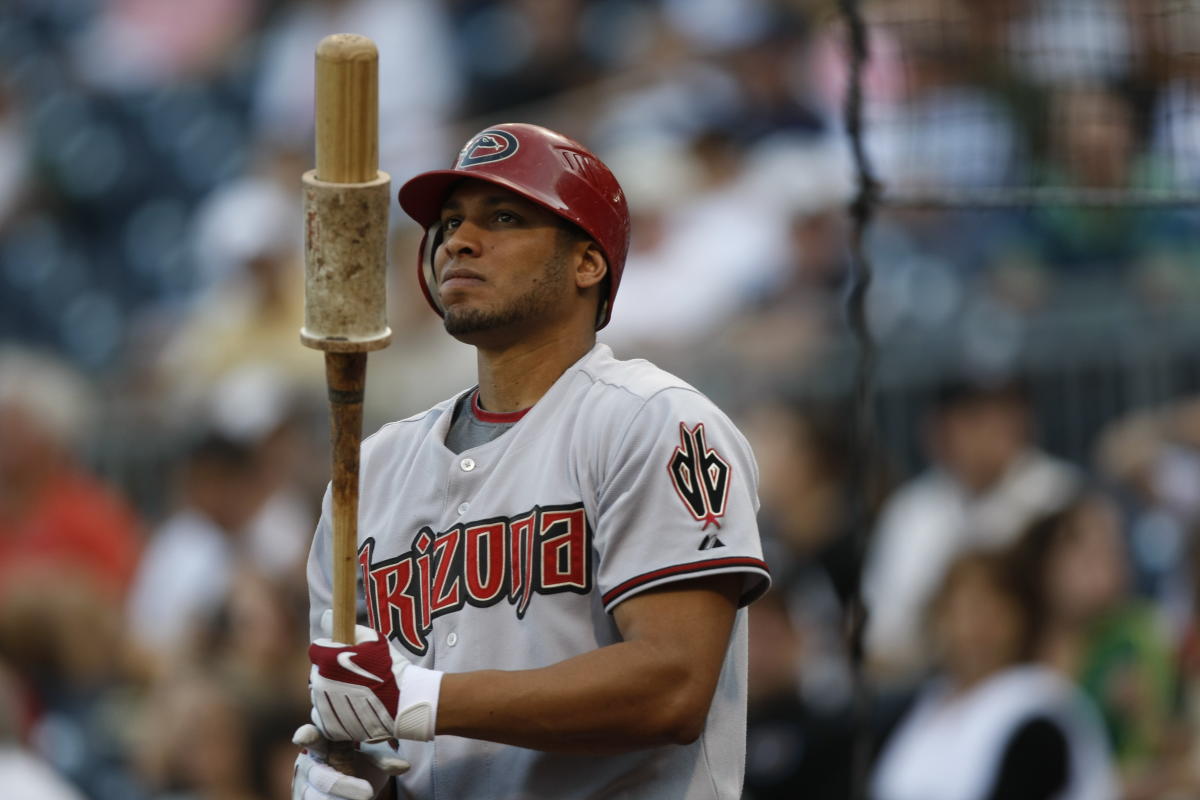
[715, 244]
[1171, 40]
[787, 322]
[14, 156]
[773, 85]
[947, 131]
[1151, 459]
[219, 727]
[1095, 145]
[421, 80]
[256, 647]
[1187, 765]
[193, 557]
[256, 405]
[671, 96]
[64, 641]
[247, 239]
[255, 643]
[1098, 635]
[794, 748]
[68, 550]
[245, 484]
[656, 176]
[991, 723]
[1055, 42]
[57, 522]
[23, 775]
[194, 741]
[805, 453]
[274, 762]
[219, 724]
[801, 710]
[133, 45]
[988, 480]
[1093, 135]
[519, 52]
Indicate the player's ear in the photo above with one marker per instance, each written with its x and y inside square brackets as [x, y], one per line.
[591, 267]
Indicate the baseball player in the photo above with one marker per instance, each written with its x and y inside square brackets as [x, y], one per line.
[555, 563]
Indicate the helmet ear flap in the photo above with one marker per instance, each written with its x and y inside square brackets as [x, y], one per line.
[602, 310]
[432, 240]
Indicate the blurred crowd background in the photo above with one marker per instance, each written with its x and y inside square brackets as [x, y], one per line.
[1034, 481]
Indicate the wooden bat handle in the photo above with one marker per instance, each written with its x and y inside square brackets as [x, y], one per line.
[341, 757]
[346, 378]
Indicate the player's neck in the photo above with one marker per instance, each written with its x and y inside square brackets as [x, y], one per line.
[516, 377]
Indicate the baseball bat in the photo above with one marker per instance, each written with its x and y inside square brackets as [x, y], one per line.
[346, 200]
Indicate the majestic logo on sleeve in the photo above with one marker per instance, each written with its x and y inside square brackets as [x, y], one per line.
[487, 147]
[701, 478]
[546, 550]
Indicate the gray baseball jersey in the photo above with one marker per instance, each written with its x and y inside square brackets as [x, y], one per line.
[513, 554]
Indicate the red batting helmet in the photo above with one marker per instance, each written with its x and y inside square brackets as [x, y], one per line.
[542, 166]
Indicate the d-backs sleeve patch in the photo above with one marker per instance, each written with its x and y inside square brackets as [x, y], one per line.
[700, 475]
[679, 501]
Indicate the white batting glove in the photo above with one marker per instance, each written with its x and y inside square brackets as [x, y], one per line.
[314, 779]
[369, 691]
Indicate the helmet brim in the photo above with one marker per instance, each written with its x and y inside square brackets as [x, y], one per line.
[423, 196]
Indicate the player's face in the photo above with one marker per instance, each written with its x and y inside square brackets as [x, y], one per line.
[504, 263]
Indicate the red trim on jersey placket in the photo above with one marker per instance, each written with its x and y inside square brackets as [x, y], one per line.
[683, 569]
[483, 415]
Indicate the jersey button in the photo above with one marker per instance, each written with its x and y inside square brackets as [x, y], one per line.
[462, 507]
[452, 639]
[467, 464]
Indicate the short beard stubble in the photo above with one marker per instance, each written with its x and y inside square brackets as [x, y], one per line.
[541, 298]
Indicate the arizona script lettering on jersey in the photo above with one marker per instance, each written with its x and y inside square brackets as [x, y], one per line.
[546, 550]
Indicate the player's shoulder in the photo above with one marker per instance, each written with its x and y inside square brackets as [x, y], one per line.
[635, 382]
[636, 395]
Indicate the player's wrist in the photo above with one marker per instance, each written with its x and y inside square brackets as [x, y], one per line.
[420, 689]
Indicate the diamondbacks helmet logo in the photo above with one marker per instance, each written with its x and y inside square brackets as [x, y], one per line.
[487, 147]
[701, 478]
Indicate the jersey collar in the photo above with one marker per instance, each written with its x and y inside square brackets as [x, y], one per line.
[483, 415]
